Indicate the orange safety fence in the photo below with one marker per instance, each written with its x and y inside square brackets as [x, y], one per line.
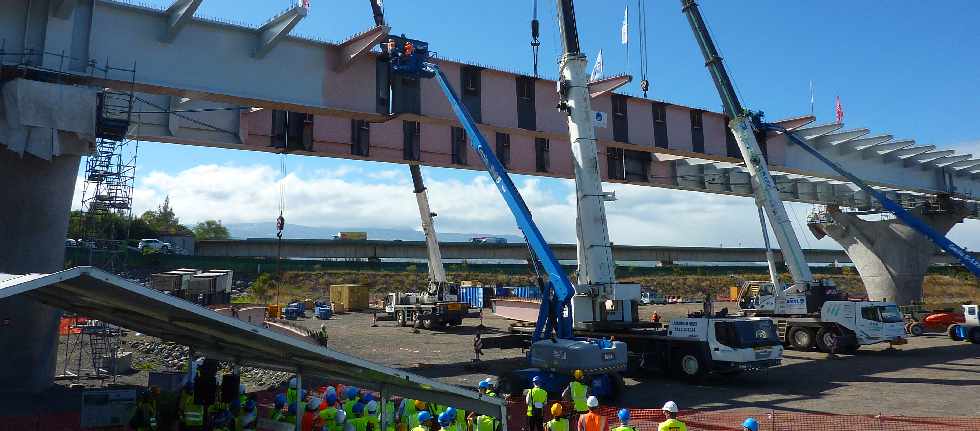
[68, 325]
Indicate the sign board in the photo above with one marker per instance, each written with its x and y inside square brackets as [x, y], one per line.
[107, 407]
[599, 119]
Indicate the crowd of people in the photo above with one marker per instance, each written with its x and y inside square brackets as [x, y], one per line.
[347, 408]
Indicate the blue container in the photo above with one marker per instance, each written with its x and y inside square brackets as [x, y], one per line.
[291, 313]
[472, 296]
[323, 312]
[501, 292]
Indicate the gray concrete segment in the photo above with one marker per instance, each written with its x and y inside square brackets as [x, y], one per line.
[891, 257]
[36, 200]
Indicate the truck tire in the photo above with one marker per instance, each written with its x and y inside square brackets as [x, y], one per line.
[689, 365]
[802, 338]
[951, 331]
[827, 337]
[400, 317]
[975, 335]
[916, 329]
[427, 321]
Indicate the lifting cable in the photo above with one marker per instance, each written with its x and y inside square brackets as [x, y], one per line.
[281, 220]
[642, 13]
[535, 33]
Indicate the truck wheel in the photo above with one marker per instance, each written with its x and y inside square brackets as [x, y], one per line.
[916, 329]
[400, 317]
[689, 365]
[951, 331]
[802, 338]
[427, 321]
[828, 338]
[975, 335]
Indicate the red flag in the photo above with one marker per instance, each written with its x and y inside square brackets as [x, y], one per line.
[839, 110]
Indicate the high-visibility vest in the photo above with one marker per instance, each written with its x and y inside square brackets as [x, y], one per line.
[491, 393]
[359, 424]
[349, 407]
[592, 421]
[329, 418]
[557, 424]
[410, 417]
[672, 425]
[624, 428]
[420, 428]
[579, 392]
[373, 420]
[290, 396]
[390, 415]
[276, 415]
[485, 423]
[538, 398]
[193, 415]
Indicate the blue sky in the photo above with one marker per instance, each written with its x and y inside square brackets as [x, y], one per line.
[903, 67]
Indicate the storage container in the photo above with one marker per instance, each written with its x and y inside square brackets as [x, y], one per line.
[352, 297]
[472, 296]
[205, 283]
[170, 281]
[225, 281]
[274, 311]
[323, 312]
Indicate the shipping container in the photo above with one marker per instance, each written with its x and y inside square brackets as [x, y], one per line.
[352, 236]
[225, 282]
[472, 296]
[206, 283]
[170, 281]
[351, 297]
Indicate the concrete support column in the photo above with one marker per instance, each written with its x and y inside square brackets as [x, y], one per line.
[891, 257]
[34, 207]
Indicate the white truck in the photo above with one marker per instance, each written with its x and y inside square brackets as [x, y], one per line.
[970, 328]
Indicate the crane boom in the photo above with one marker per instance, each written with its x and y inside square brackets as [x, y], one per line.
[743, 127]
[437, 272]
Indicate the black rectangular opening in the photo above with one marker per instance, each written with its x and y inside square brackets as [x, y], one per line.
[412, 132]
[406, 95]
[731, 146]
[360, 138]
[697, 130]
[660, 125]
[459, 145]
[636, 166]
[619, 118]
[503, 149]
[292, 130]
[382, 86]
[526, 116]
[542, 154]
[614, 159]
[471, 86]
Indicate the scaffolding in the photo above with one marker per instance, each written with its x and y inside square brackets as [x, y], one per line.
[90, 351]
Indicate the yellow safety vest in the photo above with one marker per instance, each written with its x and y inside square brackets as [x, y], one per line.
[359, 424]
[420, 428]
[373, 420]
[329, 418]
[485, 423]
[349, 407]
[672, 425]
[624, 428]
[579, 392]
[538, 398]
[559, 424]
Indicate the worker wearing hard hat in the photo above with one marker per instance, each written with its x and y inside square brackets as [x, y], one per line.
[624, 421]
[486, 388]
[328, 415]
[670, 413]
[410, 410]
[750, 424]
[536, 398]
[352, 398]
[357, 422]
[592, 421]
[311, 415]
[446, 422]
[559, 421]
[577, 392]
[425, 422]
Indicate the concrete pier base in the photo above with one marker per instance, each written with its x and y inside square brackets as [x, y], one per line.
[891, 257]
[35, 202]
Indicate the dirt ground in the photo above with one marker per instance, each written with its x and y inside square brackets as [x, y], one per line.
[930, 376]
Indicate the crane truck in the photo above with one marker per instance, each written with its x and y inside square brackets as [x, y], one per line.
[808, 313]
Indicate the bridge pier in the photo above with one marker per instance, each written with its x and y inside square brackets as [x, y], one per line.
[891, 257]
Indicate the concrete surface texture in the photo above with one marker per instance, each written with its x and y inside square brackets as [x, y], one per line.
[891, 257]
[931, 376]
[33, 224]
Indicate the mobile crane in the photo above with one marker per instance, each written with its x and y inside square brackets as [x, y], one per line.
[808, 312]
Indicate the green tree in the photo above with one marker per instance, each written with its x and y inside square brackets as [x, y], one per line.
[164, 220]
[210, 229]
[261, 288]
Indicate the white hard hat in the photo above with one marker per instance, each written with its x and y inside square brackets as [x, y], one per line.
[670, 406]
[372, 407]
[593, 401]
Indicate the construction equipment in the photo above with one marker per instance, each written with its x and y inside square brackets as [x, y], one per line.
[809, 312]
[969, 329]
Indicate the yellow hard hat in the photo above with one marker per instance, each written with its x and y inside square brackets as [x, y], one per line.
[556, 409]
[579, 374]
[420, 405]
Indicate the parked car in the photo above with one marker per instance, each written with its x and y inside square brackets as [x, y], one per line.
[153, 244]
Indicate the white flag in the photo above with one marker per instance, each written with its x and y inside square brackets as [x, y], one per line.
[625, 36]
[597, 68]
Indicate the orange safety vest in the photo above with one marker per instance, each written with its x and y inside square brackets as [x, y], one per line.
[592, 421]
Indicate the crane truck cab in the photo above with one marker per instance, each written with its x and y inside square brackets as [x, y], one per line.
[970, 328]
[435, 308]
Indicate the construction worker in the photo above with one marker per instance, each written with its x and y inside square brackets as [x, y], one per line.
[191, 415]
[577, 392]
[624, 421]
[559, 421]
[458, 417]
[278, 404]
[410, 412]
[535, 400]
[328, 415]
[491, 390]
[592, 421]
[357, 422]
[750, 424]
[425, 422]
[373, 420]
[481, 422]
[145, 416]
[311, 417]
[291, 392]
[352, 399]
[670, 413]
[248, 418]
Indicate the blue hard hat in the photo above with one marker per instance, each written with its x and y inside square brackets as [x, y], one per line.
[280, 400]
[484, 384]
[537, 379]
[424, 416]
[331, 399]
[751, 424]
[368, 397]
[444, 419]
[451, 412]
[351, 392]
[624, 415]
[358, 408]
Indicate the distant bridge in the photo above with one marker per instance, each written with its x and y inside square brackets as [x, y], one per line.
[337, 249]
